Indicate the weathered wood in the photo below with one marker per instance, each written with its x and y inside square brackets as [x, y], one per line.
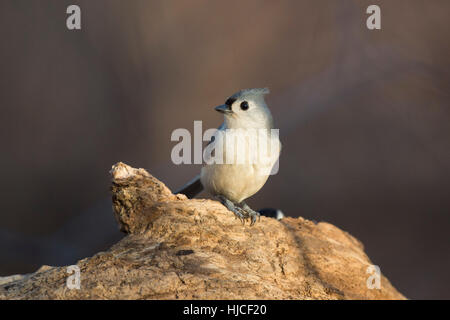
[195, 249]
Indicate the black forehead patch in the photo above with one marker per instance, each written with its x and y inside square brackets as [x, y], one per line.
[230, 101]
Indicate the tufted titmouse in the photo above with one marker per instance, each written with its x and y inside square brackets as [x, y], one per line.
[248, 124]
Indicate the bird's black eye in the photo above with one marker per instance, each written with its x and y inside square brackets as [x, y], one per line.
[244, 105]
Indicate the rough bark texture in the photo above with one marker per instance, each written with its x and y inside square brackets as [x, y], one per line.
[195, 249]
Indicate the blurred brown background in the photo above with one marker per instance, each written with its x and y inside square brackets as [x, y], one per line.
[363, 117]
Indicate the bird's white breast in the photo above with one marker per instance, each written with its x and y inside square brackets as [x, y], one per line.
[245, 167]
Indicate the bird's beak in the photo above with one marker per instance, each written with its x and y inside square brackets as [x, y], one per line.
[224, 109]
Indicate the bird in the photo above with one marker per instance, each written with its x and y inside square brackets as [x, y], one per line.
[246, 133]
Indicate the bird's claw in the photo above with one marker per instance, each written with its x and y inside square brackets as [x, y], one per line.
[240, 214]
[252, 215]
[247, 213]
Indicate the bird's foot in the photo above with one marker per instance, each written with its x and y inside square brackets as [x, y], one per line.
[238, 212]
[251, 214]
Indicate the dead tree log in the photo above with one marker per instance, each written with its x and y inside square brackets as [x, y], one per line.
[195, 249]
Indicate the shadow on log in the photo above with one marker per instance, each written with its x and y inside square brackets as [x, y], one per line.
[196, 249]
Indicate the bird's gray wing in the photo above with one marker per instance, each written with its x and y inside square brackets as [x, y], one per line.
[194, 187]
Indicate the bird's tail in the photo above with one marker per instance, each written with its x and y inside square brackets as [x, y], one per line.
[272, 213]
[192, 188]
